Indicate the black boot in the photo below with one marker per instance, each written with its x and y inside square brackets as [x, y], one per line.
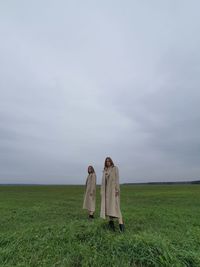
[111, 225]
[121, 227]
[91, 217]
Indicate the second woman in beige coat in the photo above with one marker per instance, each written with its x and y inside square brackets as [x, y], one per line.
[110, 194]
[90, 193]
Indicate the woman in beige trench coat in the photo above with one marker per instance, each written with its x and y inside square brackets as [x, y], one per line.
[110, 194]
[90, 193]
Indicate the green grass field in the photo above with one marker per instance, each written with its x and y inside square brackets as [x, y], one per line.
[46, 226]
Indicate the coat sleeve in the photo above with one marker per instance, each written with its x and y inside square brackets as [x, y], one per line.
[117, 187]
[93, 185]
[102, 184]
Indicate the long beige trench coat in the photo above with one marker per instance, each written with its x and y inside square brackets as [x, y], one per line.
[110, 202]
[90, 193]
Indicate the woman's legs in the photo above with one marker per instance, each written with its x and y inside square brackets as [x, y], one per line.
[119, 219]
[91, 214]
[121, 224]
[111, 223]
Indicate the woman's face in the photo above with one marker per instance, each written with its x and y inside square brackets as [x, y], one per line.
[89, 169]
[108, 162]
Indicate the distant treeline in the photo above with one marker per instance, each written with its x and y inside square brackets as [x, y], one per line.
[153, 183]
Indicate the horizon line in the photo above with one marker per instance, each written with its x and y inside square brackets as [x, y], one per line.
[126, 183]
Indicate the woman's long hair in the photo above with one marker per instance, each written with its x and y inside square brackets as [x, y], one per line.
[105, 164]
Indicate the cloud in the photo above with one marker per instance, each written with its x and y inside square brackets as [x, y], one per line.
[80, 82]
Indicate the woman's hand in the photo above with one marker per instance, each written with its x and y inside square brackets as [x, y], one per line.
[116, 193]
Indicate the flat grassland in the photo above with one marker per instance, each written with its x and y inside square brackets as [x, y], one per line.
[46, 226]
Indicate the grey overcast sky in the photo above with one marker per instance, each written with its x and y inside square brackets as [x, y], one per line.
[82, 80]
